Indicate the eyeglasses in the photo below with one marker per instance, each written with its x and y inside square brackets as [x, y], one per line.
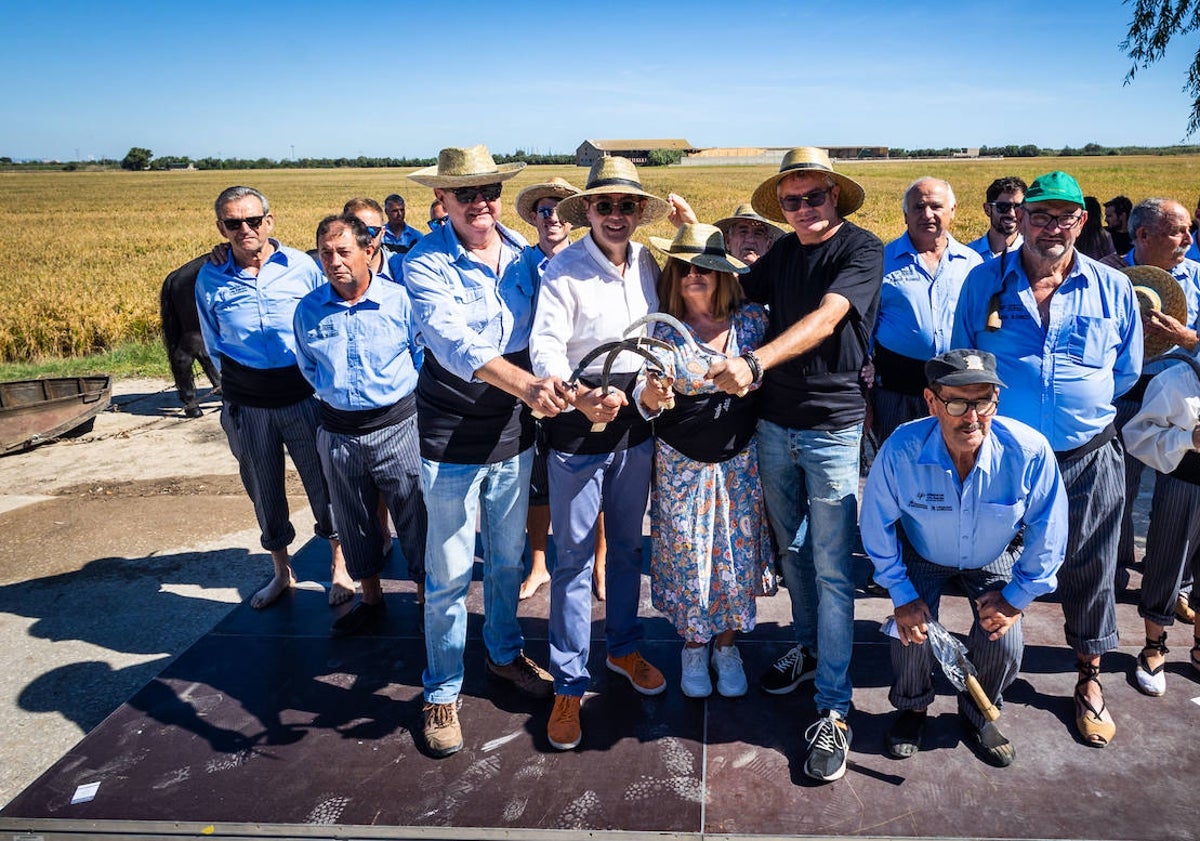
[546, 212]
[604, 207]
[813, 198]
[1005, 207]
[956, 407]
[466, 195]
[232, 225]
[1042, 219]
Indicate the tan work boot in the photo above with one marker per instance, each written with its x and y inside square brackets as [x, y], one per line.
[563, 728]
[443, 735]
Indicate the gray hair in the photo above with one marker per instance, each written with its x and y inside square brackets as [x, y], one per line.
[232, 194]
[1149, 213]
[922, 180]
[396, 198]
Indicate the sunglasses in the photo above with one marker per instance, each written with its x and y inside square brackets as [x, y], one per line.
[692, 268]
[956, 408]
[1004, 207]
[374, 230]
[546, 212]
[813, 198]
[437, 223]
[466, 195]
[232, 225]
[626, 207]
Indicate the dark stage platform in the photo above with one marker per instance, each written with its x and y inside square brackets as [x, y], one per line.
[269, 728]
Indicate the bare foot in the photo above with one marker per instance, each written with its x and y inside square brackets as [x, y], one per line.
[278, 585]
[341, 590]
[531, 584]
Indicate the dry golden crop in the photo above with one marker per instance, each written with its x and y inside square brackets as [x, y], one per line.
[83, 254]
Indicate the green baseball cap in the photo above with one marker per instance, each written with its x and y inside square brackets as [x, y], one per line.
[1055, 186]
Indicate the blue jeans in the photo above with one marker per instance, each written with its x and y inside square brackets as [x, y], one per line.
[581, 486]
[810, 484]
[453, 493]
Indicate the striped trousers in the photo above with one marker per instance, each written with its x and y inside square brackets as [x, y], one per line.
[1095, 486]
[998, 662]
[361, 468]
[257, 437]
[891, 408]
[1172, 548]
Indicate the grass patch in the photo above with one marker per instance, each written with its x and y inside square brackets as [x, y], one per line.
[129, 359]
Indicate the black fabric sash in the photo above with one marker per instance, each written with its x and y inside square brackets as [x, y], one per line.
[709, 427]
[362, 421]
[263, 388]
[901, 374]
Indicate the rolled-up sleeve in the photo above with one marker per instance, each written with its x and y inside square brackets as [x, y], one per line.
[552, 323]
[1160, 434]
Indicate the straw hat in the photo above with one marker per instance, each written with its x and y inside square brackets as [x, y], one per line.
[1156, 289]
[612, 174]
[700, 245]
[470, 167]
[746, 212]
[806, 159]
[527, 199]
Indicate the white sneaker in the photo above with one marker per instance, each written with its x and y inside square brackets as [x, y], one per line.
[731, 677]
[696, 682]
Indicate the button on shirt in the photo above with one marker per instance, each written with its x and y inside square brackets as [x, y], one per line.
[1062, 378]
[585, 301]
[916, 307]
[357, 356]
[469, 316]
[966, 524]
[249, 317]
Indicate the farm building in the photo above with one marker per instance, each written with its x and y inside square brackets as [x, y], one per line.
[638, 151]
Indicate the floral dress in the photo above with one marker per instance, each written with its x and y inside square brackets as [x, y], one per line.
[711, 550]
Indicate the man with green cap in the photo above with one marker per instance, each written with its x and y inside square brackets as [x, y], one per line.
[1067, 336]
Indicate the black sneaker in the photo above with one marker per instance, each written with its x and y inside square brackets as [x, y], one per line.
[828, 743]
[788, 672]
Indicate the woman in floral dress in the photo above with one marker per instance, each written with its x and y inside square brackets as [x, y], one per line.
[711, 545]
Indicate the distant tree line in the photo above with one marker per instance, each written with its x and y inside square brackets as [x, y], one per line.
[1029, 150]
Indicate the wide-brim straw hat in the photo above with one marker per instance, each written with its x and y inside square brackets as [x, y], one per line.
[617, 175]
[1156, 289]
[469, 167]
[798, 162]
[745, 212]
[527, 199]
[701, 245]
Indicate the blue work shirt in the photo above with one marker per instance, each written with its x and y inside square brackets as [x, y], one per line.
[916, 308]
[966, 524]
[249, 317]
[983, 248]
[357, 356]
[1062, 378]
[406, 239]
[1187, 272]
[468, 315]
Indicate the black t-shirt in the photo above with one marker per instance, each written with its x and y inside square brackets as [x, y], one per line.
[819, 389]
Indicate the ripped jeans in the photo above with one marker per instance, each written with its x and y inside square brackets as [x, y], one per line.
[810, 484]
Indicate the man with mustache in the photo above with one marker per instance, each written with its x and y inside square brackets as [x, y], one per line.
[969, 497]
[1067, 337]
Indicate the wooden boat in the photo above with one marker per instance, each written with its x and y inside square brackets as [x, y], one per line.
[35, 411]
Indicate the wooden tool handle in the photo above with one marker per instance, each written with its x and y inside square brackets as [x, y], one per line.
[981, 699]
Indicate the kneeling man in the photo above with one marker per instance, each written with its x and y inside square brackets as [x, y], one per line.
[962, 495]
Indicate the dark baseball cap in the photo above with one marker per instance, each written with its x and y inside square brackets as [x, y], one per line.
[962, 367]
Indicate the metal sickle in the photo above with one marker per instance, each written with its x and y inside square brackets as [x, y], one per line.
[600, 350]
[680, 328]
[639, 346]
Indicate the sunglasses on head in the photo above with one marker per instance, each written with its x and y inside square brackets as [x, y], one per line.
[232, 225]
[813, 198]
[626, 207]
[466, 195]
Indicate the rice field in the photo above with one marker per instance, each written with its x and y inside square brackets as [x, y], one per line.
[83, 254]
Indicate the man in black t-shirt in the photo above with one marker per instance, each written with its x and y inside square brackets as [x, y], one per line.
[821, 283]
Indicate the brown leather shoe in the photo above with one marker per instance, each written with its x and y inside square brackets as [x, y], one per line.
[563, 728]
[644, 677]
[443, 735]
[525, 675]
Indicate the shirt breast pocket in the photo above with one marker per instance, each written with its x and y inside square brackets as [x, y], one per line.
[474, 305]
[1003, 515]
[1088, 343]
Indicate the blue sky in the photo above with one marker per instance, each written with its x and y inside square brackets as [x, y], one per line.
[401, 78]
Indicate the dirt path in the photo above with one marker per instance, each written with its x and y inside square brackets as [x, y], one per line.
[118, 549]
